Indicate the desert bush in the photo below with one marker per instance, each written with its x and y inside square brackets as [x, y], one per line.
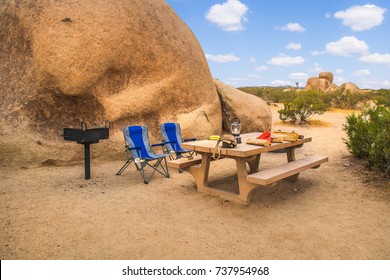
[340, 99]
[279, 96]
[349, 100]
[302, 106]
[252, 90]
[270, 94]
[369, 136]
[382, 97]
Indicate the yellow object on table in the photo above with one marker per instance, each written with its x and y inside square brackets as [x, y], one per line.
[286, 136]
[258, 142]
[214, 137]
[276, 139]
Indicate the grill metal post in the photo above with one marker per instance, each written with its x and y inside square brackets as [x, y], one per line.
[87, 161]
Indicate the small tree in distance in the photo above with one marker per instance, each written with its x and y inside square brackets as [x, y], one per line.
[302, 106]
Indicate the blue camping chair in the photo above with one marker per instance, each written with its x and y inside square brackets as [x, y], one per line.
[139, 151]
[172, 138]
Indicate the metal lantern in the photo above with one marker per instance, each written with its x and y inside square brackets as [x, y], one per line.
[236, 129]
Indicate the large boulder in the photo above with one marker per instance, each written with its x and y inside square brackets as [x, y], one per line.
[318, 84]
[252, 111]
[333, 88]
[350, 87]
[127, 61]
[326, 76]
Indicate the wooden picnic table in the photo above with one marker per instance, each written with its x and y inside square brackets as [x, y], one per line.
[245, 154]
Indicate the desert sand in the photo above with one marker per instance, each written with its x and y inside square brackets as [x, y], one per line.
[338, 211]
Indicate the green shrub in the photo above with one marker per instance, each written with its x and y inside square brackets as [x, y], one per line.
[252, 90]
[302, 106]
[270, 94]
[340, 99]
[382, 97]
[369, 136]
[349, 100]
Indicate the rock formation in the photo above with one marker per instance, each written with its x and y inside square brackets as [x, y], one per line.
[324, 82]
[333, 88]
[328, 76]
[127, 61]
[132, 62]
[350, 87]
[252, 111]
[314, 83]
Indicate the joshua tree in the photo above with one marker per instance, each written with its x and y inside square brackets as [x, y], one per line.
[297, 83]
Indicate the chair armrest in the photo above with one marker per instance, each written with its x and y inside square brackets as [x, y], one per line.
[189, 139]
[169, 142]
[158, 144]
[134, 148]
[138, 149]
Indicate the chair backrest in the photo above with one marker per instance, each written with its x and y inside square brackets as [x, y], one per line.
[138, 137]
[171, 133]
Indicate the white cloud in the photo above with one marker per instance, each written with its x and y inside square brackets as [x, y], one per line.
[374, 84]
[292, 27]
[281, 83]
[327, 15]
[317, 68]
[316, 53]
[252, 59]
[298, 76]
[376, 58]
[261, 68]
[222, 57]
[254, 76]
[284, 60]
[238, 79]
[294, 46]
[339, 71]
[229, 15]
[360, 18]
[346, 46]
[338, 80]
[362, 72]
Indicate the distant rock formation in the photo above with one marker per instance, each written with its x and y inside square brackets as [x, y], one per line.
[328, 76]
[252, 111]
[351, 87]
[319, 84]
[324, 82]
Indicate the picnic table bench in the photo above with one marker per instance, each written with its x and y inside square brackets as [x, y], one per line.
[183, 162]
[288, 170]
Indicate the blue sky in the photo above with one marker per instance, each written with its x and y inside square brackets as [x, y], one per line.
[281, 42]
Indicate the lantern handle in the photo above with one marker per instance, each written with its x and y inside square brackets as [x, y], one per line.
[235, 118]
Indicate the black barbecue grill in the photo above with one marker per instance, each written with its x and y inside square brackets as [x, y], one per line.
[87, 136]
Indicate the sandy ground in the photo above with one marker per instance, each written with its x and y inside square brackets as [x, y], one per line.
[334, 212]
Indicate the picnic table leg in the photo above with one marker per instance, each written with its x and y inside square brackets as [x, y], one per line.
[290, 154]
[200, 173]
[291, 157]
[245, 188]
[254, 164]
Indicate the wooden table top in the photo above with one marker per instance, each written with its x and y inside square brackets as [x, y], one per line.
[242, 149]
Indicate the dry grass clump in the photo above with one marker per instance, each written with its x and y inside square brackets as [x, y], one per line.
[309, 123]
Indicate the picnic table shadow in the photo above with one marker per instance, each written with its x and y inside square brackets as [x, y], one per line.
[279, 192]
